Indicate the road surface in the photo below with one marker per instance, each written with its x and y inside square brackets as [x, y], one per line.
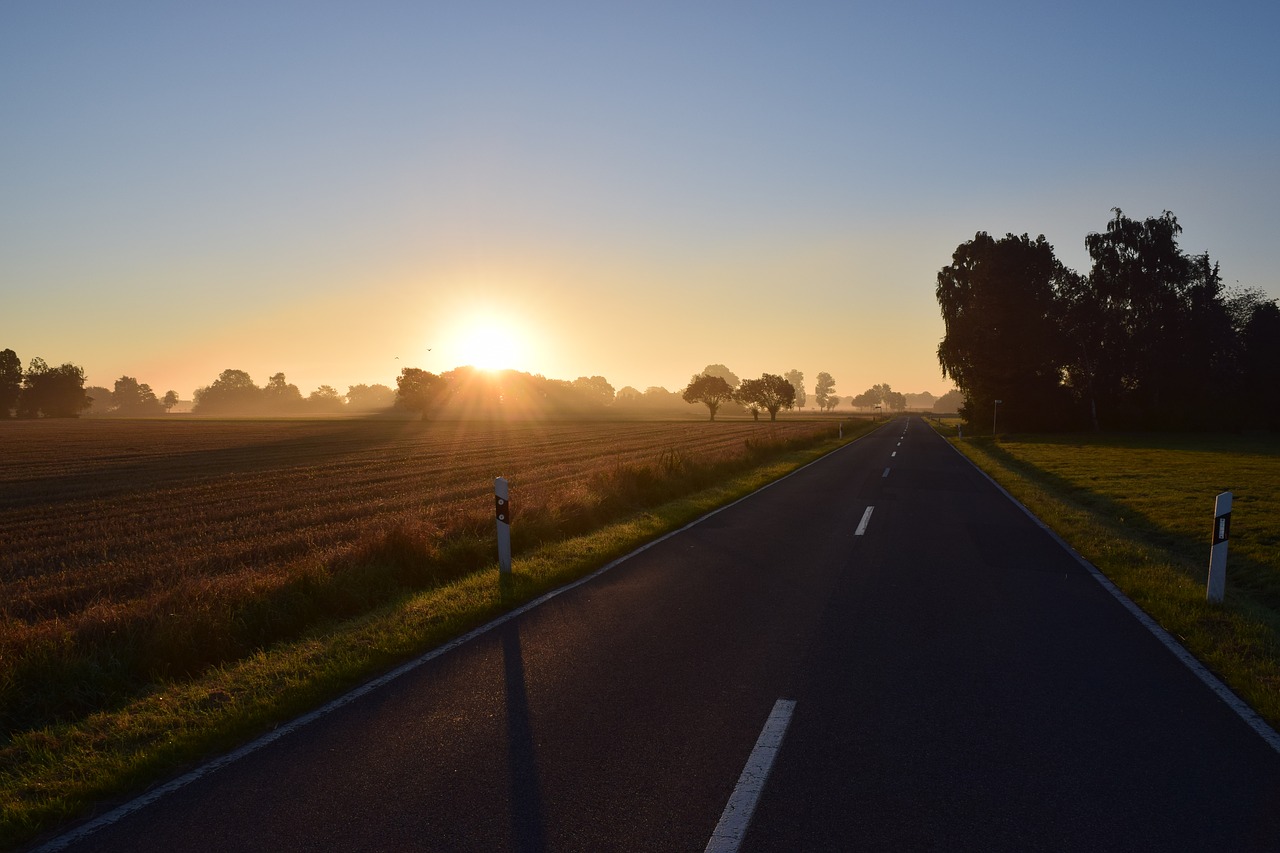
[916, 663]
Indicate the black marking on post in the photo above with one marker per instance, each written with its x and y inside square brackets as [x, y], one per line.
[1221, 528]
[503, 510]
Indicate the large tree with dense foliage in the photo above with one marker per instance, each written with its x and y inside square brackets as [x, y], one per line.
[1150, 337]
[1003, 335]
[1152, 328]
[711, 391]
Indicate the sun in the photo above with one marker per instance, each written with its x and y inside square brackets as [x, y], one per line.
[489, 343]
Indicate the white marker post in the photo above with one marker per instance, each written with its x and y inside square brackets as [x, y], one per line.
[1218, 553]
[504, 526]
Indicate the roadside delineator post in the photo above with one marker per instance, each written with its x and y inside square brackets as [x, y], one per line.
[502, 500]
[1218, 552]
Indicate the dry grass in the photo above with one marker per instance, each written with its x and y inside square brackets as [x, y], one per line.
[144, 550]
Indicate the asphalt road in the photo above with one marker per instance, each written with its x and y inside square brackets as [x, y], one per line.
[955, 681]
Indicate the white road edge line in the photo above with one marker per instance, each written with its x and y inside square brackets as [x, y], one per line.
[732, 828]
[862, 525]
[65, 840]
[1250, 717]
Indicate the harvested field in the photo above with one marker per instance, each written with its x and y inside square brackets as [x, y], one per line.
[136, 550]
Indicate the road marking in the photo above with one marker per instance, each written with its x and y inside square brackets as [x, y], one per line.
[885, 474]
[894, 453]
[119, 813]
[862, 525]
[732, 828]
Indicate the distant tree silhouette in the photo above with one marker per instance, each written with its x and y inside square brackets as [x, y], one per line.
[949, 403]
[770, 392]
[134, 399]
[325, 400]
[368, 398]
[711, 391]
[596, 389]
[169, 400]
[52, 392]
[823, 390]
[628, 396]
[10, 382]
[233, 392]
[100, 401]
[723, 372]
[419, 390]
[796, 378]
[281, 397]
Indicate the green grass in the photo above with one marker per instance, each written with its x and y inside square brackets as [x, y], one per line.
[1140, 508]
[55, 772]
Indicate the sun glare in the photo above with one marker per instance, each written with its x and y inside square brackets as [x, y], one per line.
[489, 343]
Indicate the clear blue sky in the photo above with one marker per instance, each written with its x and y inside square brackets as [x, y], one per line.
[634, 190]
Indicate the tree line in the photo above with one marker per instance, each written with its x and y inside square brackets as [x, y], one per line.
[1148, 338]
[235, 393]
[43, 391]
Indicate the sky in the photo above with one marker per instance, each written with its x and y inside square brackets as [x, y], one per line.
[635, 190]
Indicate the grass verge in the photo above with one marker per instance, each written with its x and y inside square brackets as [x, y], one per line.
[54, 773]
[1139, 509]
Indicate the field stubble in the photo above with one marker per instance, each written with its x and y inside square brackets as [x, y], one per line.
[144, 550]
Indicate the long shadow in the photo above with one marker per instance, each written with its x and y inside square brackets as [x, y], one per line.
[1190, 552]
[526, 793]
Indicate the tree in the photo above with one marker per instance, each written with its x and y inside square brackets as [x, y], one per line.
[10, 382]
[1003, 337]
[368, 398]
[823, 390]
[326, 399]
[1261, 336]
[770, 392]
[233, 392]
[796, 378]
[134, 399]
[712, 391]
[169, 400]
[52, 392]
[419, 390]
[1156, 337]
[280, 396]
[867, 399]
[723, 372]
[594, 388]
[948, 403]
[628, 396]
[99, 399]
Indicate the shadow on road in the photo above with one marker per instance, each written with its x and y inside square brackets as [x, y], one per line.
[526, 794]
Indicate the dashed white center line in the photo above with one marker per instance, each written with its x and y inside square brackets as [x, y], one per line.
[862, 525]
[894, 453]
[886, 473]
[732, 828]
